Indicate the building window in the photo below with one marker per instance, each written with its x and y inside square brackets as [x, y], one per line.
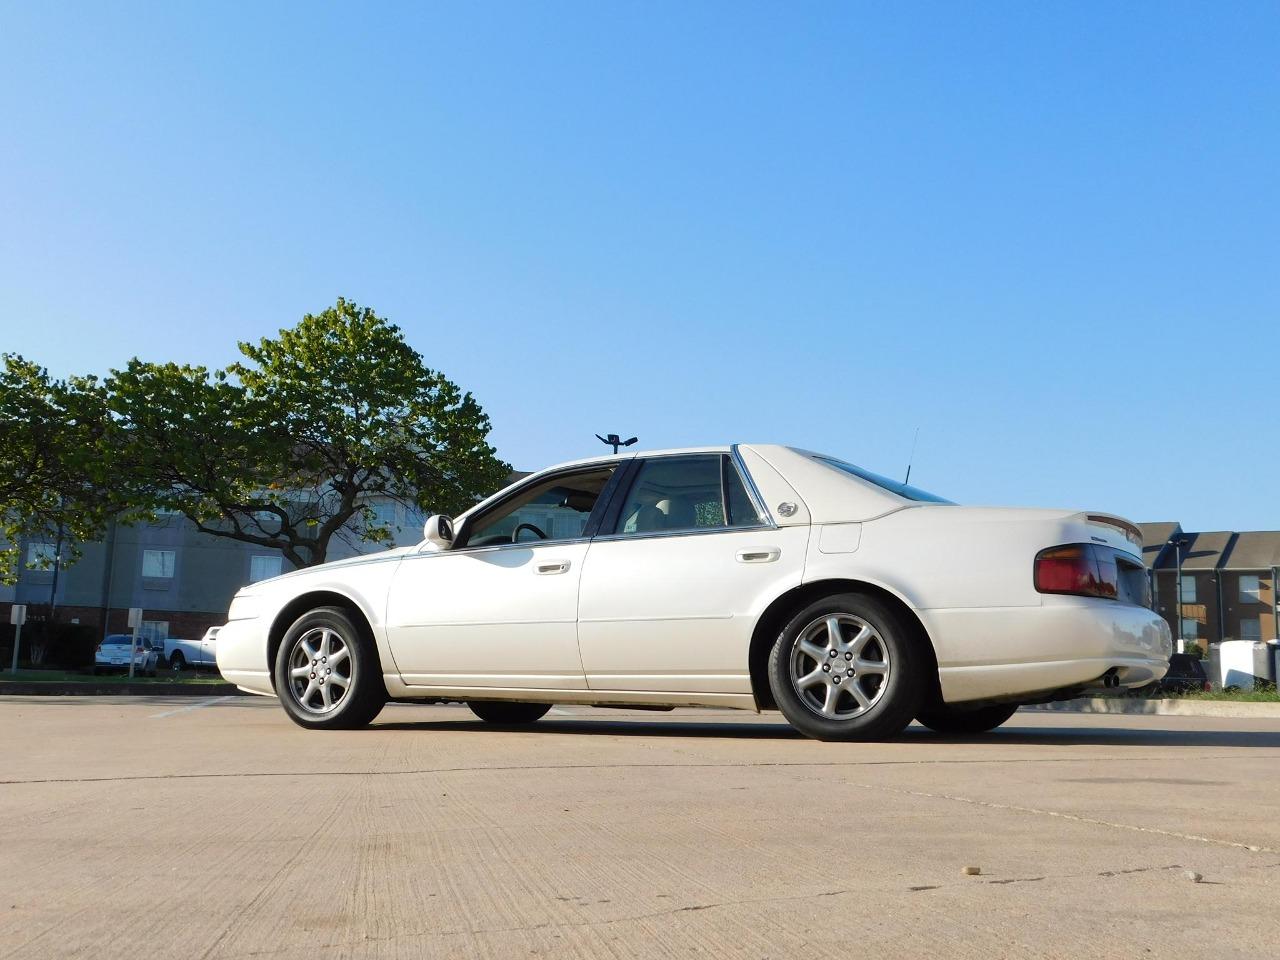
[40, 556]
[1250, 589]
[1188, 589]
[384, 513]
[158, 564]
[1250, 629]
[1190, 629]
[263, 566]
[157, 631]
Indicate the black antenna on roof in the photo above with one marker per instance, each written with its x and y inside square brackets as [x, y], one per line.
[613, 441]
[911, 458]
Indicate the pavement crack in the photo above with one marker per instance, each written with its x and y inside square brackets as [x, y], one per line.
[1061, 815]
[534, 768]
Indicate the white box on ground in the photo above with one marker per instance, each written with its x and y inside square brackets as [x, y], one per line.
[1243, 662]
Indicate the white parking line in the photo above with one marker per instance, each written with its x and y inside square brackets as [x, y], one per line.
[193, 706]
[559, 712]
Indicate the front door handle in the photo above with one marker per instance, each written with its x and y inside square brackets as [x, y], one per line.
[550, 567]
[759, 555]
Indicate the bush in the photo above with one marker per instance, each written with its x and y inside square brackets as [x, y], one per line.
[1195, 650]
[69, 646]
[72, 646]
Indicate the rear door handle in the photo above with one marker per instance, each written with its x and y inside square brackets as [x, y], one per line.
[759, 555]
[550, 567]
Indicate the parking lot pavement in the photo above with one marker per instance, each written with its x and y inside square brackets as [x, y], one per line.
[137, 827]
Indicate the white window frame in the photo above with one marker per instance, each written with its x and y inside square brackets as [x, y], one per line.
[257, 559]
[157, 631]
[1253, 595]
[172, 564]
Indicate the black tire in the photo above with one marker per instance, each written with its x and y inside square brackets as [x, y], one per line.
[943, 718]
[177, 662]
[893, 698]
[365, 694]
[508, 713]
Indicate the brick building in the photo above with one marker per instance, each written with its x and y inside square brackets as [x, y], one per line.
[1228, 582]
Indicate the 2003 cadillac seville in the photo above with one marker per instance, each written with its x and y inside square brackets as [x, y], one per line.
[748, 576]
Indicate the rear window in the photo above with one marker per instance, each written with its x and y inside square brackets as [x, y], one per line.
[116, 642]
[893, 486]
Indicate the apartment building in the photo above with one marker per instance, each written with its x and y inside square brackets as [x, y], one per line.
[182, 579]
[1216, 585]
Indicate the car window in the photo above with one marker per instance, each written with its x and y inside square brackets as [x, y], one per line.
[555, 509]
[893, 486]
[686, 493]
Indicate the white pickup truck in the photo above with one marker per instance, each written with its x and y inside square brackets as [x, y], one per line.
[180, 654]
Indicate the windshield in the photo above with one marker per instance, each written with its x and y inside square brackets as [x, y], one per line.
[893, 486]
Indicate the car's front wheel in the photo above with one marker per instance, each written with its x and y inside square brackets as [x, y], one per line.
[846, 668]
[508, 712]
[327, 672]
[943, 718]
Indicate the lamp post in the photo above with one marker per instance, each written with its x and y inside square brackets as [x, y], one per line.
[1177, 544]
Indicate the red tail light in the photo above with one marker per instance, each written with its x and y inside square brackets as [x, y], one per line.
[1080, 569]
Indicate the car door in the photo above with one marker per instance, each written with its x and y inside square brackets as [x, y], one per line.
[499, 609]
[686, 561]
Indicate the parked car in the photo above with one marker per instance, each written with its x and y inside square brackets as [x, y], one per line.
[759, 577]
[180, 654]
[113, 654]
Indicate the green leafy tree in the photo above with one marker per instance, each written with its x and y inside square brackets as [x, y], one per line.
[55, 466]
[290, 447]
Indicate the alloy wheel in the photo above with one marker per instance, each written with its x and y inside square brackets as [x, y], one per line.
[321, 670]
[839, 666]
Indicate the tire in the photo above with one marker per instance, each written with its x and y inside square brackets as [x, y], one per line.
[508, 713]
[177, 662]
[941, 718]
[340, 650]
[870, 640]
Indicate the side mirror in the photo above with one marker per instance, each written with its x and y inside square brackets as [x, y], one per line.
[438, 530]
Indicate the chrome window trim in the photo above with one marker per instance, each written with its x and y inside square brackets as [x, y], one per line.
[766, 518]
[666, 534]
[489, 547]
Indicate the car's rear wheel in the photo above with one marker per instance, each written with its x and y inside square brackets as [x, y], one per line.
[177, 662]
[327, 672]
[944, 718]
[847, 668]
[508, 712]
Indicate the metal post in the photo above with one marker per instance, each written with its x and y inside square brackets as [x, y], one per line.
[1177, 553]
[133, 650]
[17, 639]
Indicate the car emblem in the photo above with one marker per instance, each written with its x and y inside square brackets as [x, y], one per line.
[786, 508]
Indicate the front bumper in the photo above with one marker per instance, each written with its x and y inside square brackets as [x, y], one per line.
[242, 655]
[1067, 643]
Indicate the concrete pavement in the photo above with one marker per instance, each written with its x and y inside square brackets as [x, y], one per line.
[140, 827]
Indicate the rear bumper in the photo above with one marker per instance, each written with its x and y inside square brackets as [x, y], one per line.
[1069, 642]
[242, 655]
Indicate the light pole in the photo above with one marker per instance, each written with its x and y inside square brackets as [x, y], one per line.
[1177, 545]
[614, 441]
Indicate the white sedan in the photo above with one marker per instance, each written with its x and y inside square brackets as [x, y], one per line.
[749, 576]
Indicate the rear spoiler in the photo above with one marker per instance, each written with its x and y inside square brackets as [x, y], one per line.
[1130, 530]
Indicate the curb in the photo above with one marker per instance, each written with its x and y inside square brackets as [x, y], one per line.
[1164, 708]
[50, 688]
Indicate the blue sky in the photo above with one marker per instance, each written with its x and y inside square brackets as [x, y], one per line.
[1048, 235]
